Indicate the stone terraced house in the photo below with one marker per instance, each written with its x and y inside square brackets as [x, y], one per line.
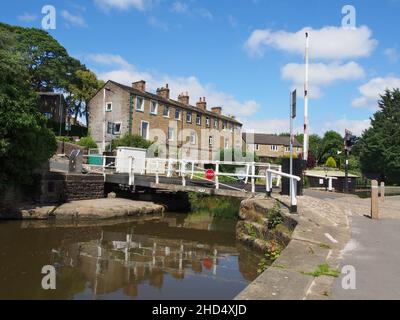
[185, 130]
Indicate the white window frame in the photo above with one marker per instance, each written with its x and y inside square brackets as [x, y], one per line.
[216, 123]
[171, 137]
[198, 117]
[142, 106]
[211, 141]
[257, 147]
[120, 128]
[208, 121]
[188, 114]
[148, 129]
[169, 110]
[287, 149]
[274, 147]
[151, 105]
[193, 137]
[107, 108]
[180, 114]
[226, 143]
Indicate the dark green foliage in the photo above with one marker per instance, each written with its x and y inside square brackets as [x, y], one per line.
[87, 142]
[130, 140]
[379, 147]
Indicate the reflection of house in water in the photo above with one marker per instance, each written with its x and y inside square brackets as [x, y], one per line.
[145, 253]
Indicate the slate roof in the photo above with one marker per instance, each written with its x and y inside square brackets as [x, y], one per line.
[270, 139]
[173, 102]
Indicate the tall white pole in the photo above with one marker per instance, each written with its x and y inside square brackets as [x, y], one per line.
[305, 146]
[104, 121]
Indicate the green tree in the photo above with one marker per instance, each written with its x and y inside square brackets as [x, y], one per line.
[82, 89]
[331, 163]
[25, 141]
[330, 144]
[87, 142]
[379, 146]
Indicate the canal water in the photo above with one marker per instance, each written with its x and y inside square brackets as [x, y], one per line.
[173, 256]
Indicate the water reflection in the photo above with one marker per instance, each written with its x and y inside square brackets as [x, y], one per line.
[172, 257]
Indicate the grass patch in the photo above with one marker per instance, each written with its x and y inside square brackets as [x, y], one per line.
[324, 246]
[323, 270]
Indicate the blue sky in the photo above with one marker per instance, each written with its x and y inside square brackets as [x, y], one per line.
[245, 55]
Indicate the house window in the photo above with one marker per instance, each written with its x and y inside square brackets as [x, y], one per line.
[170, 134]
[166, 112]
[257, 147]
[287, 149]
[177, 114]
[48, 115]
[139, 104]
[153, 107]
[109, 106]
[230, 127]
[207, 122]
[117, 128]
[223, 125]
[198, 119]
[189, 117]
[274, 148]
[226, 143]
[193, 137]
[144, 130]
[216, 124]
[210, 141]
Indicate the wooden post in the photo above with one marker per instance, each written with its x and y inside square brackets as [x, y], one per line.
[374, 200]
[383, 191]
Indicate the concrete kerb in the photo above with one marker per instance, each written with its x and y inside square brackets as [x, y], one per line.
[318, 239]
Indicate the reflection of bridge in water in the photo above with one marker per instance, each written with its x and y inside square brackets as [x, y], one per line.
[147, 252]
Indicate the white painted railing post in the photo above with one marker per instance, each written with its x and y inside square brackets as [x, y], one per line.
[253, 180]
[269, 183]
[293, 195]
[279, 179]
[131, 174]
[247, 173]
[183, 172]
[330, 188]
[157, 172]
[216, 175]
[169, 170]
[192, 175]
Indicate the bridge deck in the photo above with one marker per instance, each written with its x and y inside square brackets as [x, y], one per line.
[236, 189]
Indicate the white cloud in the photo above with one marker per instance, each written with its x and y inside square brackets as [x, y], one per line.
[158, 24]
[270, 126]
[180, 7]
[125, 73]
[321, 74]
[371, 91]
[73, 20]
[355, 126]
[205, 13]
[123, 4]
[392, 55]
[27, 17]
[335, 43]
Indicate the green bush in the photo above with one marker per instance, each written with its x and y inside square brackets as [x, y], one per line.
[130, 140]
[87, 142]
[331, 163]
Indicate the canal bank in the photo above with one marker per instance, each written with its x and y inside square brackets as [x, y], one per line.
[307, 267]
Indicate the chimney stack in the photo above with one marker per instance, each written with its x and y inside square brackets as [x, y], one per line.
[139, 85]
[217, 110]
[184, 98]
[163, 92]
[202, 104]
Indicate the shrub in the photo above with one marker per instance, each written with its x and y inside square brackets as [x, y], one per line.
[87, 142]
[129, 140]
[330, 163]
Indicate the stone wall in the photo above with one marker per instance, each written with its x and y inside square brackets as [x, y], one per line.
[66, 147]
[62, 187]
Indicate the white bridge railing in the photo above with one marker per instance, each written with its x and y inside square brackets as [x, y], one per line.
[245, 172]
